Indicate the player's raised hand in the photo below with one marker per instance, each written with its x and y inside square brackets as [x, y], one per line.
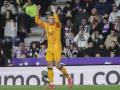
[53, 8]
[38, 9]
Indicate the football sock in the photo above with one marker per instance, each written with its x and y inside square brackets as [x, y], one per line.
[64, 72]
[50, 74]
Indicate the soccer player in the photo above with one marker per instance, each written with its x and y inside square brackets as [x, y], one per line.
[54, 49]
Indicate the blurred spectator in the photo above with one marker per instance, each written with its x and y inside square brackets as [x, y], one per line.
[42, 50]
[2, 60]
[24, 55]
[34, 50]
[94, 15]
[22, 28]
[69, 14]
[69, 38]
[70, 51]
[68, 27]
[97, 38]
[112, 54]
[75, 55]
[89, 50]
[89, 5]
[2, 25]
[114, 48]
[8, 15]
[81, 38]
[110, 38]
[95, 25]
[20, 2]
[111, 1]
[11, 30]
[14, 2]
[63, 55]
[103, 51]
[115, 12]
[97, 54]
[23, 25]
[8, 6]
[61, 15]
[117, 24]
[86, 25]
[106, 27]
[76, 4]
[30, 11]
[30, 8]
[67, 7]
[103, 6]
[1, 3]
[7, 54]
[117, 2]
[19, 51]
[78, 19]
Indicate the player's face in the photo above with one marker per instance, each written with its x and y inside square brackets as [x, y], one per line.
[51, 20]
[59, 11]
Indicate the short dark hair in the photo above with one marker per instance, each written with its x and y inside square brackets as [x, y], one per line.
[75, 53]
[105, 18]
[59, 8]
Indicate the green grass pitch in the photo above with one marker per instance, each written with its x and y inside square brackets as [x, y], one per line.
[101, 87]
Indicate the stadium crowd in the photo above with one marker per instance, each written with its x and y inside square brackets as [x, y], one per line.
[90, 28]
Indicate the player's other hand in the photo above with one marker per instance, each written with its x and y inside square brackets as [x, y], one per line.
[53, 8]
[38, 7]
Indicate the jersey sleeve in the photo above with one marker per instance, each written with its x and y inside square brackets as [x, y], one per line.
[40, 22]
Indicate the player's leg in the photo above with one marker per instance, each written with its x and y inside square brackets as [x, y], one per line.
[57, 57]
[65, 73]
[49, 59]
[62, 69]
[50, 72]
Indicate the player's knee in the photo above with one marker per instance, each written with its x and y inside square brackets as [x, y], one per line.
[50, 65]
[58, 66]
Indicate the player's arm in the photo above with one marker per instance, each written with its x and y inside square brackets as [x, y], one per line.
[38, 21]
